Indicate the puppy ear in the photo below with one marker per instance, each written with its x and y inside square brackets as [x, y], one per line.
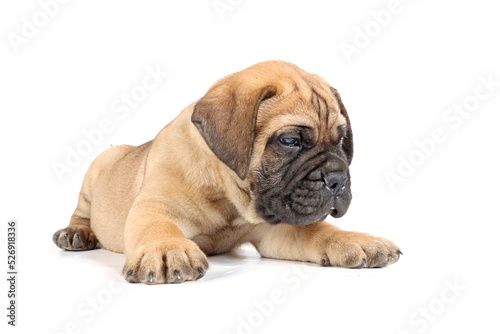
[347, 144]
[226, 118]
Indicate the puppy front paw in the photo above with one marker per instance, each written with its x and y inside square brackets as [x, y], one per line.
[357, 250]
[174, 260]
[75, 238]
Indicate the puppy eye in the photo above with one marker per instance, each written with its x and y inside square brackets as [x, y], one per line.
[290, 141]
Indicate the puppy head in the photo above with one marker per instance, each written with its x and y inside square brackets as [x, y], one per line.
[286, 133]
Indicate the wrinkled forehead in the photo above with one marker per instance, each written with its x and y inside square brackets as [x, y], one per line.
[307, 104]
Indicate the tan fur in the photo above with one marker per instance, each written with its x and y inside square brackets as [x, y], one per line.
[167, 202]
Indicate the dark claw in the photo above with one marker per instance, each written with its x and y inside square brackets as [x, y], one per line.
[178, 277]
[151, 278]
[323, 262]
[202, 273]
[361, 265]
[76, 241]
[381, 265]
[62, 239]
[90, 245]
[128, 276]
[400, 252]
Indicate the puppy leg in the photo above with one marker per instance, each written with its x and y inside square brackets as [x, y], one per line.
[324, 244]
[77, 236]
[156, 249]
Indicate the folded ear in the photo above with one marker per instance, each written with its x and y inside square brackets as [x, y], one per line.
[226, 118]
[347, 144]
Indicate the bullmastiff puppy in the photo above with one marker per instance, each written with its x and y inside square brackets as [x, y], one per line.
[263, 158]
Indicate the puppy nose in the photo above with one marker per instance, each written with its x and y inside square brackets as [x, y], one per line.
[336, 181]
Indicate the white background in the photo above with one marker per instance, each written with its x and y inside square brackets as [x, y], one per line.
[428, 57]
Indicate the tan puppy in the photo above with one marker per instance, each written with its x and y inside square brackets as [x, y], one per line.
[263, 157]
